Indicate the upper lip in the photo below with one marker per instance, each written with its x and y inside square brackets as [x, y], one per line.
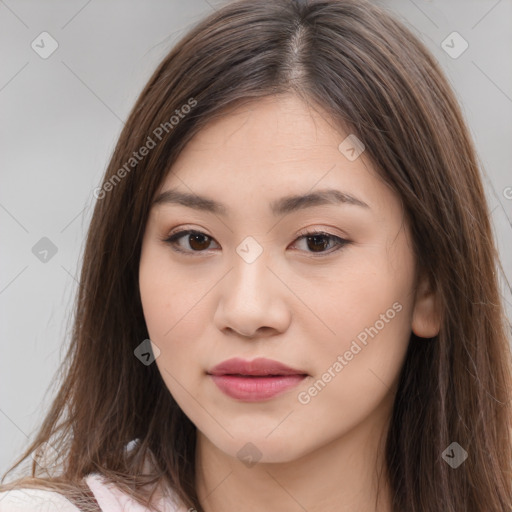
[259, 366]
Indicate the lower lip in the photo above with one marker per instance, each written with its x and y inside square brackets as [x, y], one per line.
[255, 389]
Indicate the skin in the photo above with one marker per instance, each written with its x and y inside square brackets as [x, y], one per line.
[293, 304]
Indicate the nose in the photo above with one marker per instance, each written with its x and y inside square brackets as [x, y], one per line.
[253, 301]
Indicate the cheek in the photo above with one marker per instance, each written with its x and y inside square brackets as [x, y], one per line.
[363, 290]
[356, 369]
[175, 316]
[155, 297]
[170, 297]
[368, 308]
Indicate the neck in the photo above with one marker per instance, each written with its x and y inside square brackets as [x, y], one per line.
[345, 474]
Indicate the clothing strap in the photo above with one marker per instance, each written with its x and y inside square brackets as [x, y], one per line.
[95, 506]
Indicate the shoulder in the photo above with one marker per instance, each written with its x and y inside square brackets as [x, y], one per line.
[108, 496]
[32, 500]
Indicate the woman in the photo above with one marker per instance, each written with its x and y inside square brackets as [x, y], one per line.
[288, 293]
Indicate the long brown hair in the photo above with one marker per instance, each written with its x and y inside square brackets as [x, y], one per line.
[375, 79]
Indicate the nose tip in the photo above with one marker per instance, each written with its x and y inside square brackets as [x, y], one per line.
[252, 302]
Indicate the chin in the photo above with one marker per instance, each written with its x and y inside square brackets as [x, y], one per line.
[250, 447]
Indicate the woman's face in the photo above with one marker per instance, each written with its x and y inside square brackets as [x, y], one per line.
[338, 308]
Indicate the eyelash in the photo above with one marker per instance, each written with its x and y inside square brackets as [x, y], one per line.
[173, 238]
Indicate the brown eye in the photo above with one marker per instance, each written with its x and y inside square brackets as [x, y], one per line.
[197, 241]
[319, 242]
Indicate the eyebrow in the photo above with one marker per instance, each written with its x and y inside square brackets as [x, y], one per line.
[281, 206]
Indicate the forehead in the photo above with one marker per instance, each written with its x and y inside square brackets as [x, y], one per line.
[284, 122]
[268, 149]
[273, 137]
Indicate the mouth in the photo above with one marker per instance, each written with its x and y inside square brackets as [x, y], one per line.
[257, 380]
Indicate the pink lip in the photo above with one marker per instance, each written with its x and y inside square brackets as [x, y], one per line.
[256, 380]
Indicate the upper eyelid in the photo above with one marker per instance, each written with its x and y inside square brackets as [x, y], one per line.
[184, 228]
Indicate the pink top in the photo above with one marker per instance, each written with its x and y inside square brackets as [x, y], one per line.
[109, 497]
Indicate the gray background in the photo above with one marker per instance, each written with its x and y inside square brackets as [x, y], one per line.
[60, 118]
